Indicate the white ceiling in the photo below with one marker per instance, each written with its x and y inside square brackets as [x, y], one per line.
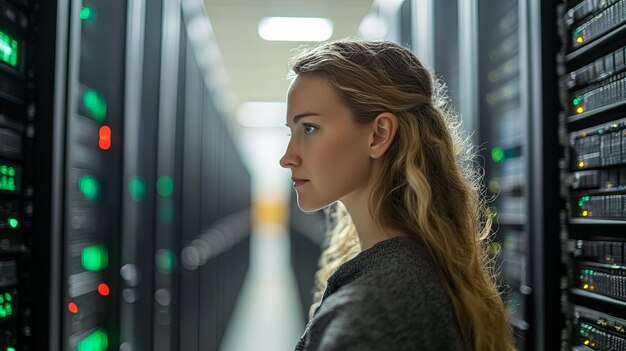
[256, 68]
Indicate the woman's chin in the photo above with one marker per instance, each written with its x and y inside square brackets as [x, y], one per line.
[308, 207]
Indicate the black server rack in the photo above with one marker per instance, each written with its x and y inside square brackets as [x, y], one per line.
[92, 174]
[592, 94]
[517, 135]
[25, 100]
[114, 160]
[143, 76]
[190, 292]
[215, 218]
[504, 123]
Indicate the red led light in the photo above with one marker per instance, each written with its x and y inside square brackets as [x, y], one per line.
[105, 138]
[72, 307]
[103, 289]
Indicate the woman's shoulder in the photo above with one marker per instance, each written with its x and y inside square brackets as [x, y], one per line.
[384, 299]
[362, 316]
[400, 263]
[399, 283]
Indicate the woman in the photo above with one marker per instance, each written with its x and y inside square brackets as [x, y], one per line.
[406, 266]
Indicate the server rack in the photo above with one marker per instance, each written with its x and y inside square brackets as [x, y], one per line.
[97, 170]
[591, 91]
[216, 199]
[516, 105]
[140, 137]
[497, 58]
[504, 124]
[92, 172]
[25, 135]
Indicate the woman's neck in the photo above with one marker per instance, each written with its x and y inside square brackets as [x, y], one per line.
[369, 232]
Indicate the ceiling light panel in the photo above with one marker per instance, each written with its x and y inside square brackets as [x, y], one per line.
[295, 28]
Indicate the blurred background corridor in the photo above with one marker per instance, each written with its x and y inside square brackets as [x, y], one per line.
[142, 205]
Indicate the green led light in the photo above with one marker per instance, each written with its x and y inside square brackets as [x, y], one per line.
[137, 188]
[7, 183]
[88, 13]
[96, 105]
[13, 223]
[10, 348]
[1, 299]
[497, 154]
[8, 297]
[96, 341]
[95, 258]
[89, 186]
[165, 186]
[8, 178]
[8, 49]
[582, 331]
[165, 260]
[586, 198]
[576, 101]
[9, 309]
[581, 203]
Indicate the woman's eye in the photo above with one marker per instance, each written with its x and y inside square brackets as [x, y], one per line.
[309, 129]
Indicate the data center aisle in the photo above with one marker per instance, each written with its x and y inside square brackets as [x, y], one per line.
[268, 313]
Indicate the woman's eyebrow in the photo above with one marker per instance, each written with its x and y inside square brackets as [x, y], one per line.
[298, 117]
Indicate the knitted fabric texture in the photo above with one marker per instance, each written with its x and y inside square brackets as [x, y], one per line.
[386, 298]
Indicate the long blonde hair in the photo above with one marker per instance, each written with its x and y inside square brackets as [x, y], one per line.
[429, 185]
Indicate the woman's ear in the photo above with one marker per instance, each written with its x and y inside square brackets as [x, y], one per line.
[383, 131]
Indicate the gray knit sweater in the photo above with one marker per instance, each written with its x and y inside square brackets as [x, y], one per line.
[386, 298]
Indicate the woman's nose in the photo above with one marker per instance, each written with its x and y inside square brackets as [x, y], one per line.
[289, 160]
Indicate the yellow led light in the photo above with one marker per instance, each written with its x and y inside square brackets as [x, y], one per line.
[585, 213]
[579, 39]
[580, 110]
[581, 164]
[585, 286]
[586, 342]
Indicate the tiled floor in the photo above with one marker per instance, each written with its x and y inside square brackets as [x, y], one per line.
[267, 315]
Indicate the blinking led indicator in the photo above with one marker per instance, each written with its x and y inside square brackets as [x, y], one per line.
[88, 14]
[8, 49]
[94, 258]
[578, 36]
[104, 140]
[103, 289]
[72, 307]
[89, 186]
[95, 104]
[497, 154]
[13, 223]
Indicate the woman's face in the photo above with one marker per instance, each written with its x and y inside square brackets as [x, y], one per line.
[327, 148]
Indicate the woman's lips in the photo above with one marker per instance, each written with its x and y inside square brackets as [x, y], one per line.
[298, 182]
